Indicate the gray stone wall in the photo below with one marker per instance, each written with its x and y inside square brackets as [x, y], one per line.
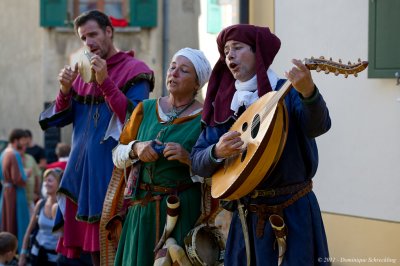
[32, 56]
[20, 66]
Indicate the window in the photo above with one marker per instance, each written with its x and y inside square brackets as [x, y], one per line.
[61, 13]
[115, 8]
[384, 40]
[221, 13]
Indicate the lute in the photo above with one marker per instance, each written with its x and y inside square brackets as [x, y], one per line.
[264, 127]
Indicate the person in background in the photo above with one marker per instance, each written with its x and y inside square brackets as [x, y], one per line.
[3, 144]
[173, 123]
[97, 111]
[284, 197]
[36, 151]
[44, 244]
[34, 180]
[62, 152]
[14, 210]
[8, 249]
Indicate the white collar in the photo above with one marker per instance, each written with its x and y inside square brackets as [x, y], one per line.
[246, 92]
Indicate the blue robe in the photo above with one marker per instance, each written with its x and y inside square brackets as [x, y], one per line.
[306, 239]
[88, 172]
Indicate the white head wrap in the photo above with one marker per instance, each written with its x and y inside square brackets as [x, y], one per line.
[199, 61]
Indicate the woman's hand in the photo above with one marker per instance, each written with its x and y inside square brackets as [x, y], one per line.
[229, 144]
[175, 151]
[145, 152]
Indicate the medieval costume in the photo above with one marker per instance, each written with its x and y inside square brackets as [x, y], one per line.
[33, 182]
[138, 237]
[97, 113]
[14, 210]
[287, 190]
[142, 188]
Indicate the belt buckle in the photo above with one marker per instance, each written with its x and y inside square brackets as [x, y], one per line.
[254, 194]
[270, 193]
[266, 193]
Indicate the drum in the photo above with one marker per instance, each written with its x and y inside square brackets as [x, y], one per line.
[205, 245]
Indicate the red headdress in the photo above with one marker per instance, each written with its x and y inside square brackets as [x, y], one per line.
[221, 86]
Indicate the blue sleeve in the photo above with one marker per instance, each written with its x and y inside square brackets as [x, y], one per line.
[136, 94]
[202, 162]
[50, 118]
[312, 114]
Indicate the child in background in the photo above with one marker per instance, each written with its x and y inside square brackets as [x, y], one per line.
[8, 248]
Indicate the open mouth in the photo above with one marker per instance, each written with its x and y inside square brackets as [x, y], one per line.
[94, 51]
[233, 66]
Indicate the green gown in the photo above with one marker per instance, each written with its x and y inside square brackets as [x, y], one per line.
[139, 231]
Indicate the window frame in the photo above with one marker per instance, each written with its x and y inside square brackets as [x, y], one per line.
[60, 13]
[374, 50]
[100, 6]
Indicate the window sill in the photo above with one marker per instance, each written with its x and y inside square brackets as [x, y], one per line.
[116, 29]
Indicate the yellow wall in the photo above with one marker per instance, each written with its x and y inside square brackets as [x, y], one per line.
[354, 240]
[351, 240]
[262, 13]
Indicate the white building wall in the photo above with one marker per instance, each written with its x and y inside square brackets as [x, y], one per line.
[359, 170]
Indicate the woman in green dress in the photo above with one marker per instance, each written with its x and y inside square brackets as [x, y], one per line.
[158, 139]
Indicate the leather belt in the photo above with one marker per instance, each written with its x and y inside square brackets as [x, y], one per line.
[165, 190]
[270, 193]
[263, 211]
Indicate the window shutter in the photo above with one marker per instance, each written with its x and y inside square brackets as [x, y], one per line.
[143, 13]
[384, 40]
[53, 13]
[214, 19]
